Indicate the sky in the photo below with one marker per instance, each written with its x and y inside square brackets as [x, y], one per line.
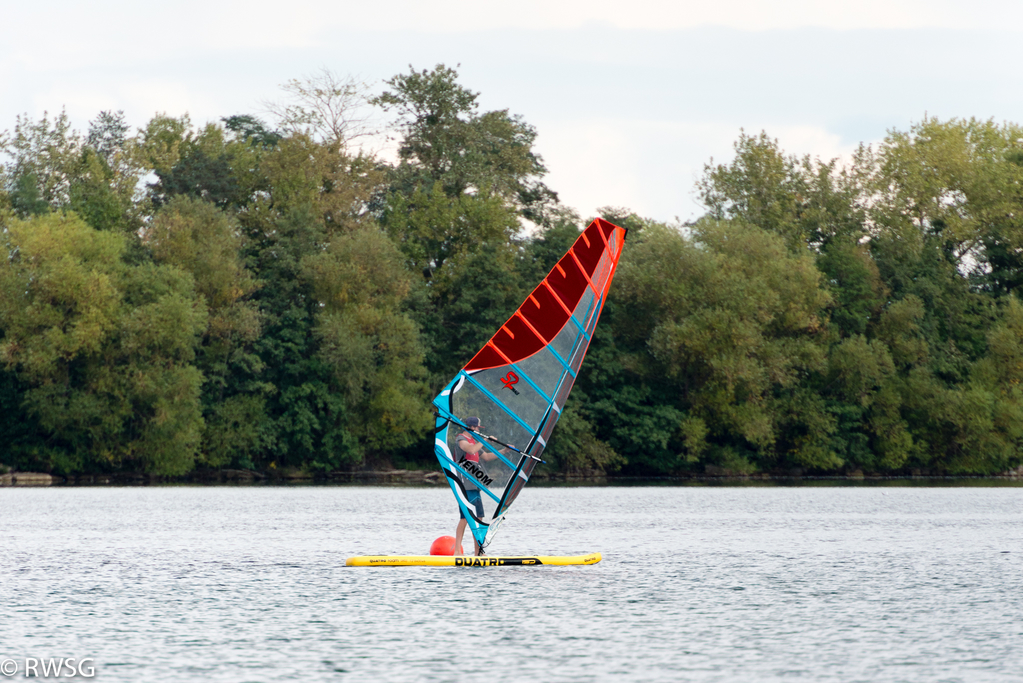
[630, 100]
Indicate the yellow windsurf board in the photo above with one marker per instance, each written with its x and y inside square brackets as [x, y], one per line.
[469, 560]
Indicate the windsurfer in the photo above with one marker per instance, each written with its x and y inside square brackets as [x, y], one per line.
[472, 452]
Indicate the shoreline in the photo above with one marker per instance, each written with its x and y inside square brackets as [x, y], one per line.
[401, 477]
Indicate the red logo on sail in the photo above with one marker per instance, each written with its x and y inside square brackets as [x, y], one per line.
[509, 381]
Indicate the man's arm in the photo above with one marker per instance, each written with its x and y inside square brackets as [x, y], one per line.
[485, 455]
[467, 447]
[488, 456]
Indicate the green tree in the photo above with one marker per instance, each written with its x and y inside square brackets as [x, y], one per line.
[252, 130]
[41, 155]
[104, 348]
[108, 135]
[445, 141]
[729, 323]
[202, 240]
[953, 181]
[432, 228]
[809, 203]
[371, 348]
[315, 196]
[52, 168]
[93, 194]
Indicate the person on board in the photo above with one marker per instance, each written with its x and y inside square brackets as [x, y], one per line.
[469, 449]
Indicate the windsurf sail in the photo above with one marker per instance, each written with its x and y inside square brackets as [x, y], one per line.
[517, 385]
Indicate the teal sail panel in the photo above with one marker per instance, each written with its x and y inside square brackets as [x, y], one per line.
[517, 384]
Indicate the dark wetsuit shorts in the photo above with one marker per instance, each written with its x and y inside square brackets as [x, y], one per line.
[476, 501]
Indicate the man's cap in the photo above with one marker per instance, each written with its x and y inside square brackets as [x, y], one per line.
[472, 422]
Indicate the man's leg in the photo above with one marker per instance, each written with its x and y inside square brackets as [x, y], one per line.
[459, 530]
[478, 504]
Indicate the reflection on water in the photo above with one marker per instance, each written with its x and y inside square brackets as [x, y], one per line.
[872, 583]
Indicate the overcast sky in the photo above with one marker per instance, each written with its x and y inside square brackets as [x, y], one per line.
[630, 99]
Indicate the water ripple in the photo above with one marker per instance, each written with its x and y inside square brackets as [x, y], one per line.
[697, 584]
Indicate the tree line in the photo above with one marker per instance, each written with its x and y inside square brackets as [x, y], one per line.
[267, 294]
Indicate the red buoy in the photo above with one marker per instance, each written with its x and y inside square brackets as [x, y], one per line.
[445, 545]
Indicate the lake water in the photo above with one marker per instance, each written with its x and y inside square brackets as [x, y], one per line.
[697, 584]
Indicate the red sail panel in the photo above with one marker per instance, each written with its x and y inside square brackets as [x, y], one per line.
[516, 341]
[488, 357]
[545, 312]
[567, 281]
[589, 249]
